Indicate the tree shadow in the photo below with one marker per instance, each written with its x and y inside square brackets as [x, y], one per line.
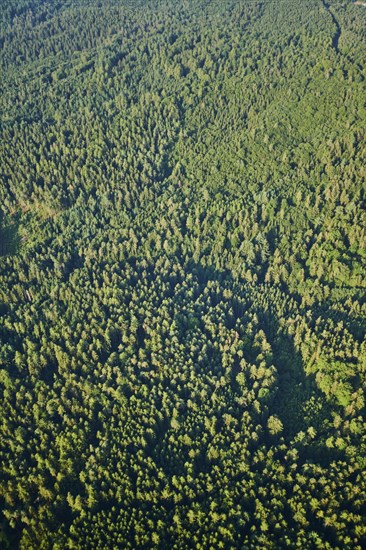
[299, 403]
[9, 237]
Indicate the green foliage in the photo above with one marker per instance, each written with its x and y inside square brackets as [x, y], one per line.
[182, 274]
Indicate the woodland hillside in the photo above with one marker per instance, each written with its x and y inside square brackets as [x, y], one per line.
[182, 274]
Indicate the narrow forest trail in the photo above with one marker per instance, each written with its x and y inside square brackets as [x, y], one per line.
[336, 37]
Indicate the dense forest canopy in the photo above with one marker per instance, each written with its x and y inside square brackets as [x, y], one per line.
[182, 274]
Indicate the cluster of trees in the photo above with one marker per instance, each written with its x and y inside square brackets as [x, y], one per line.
[182, 274]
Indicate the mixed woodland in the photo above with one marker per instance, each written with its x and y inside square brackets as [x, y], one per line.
[182, 274]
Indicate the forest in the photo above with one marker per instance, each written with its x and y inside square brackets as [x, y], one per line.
[182, 274]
